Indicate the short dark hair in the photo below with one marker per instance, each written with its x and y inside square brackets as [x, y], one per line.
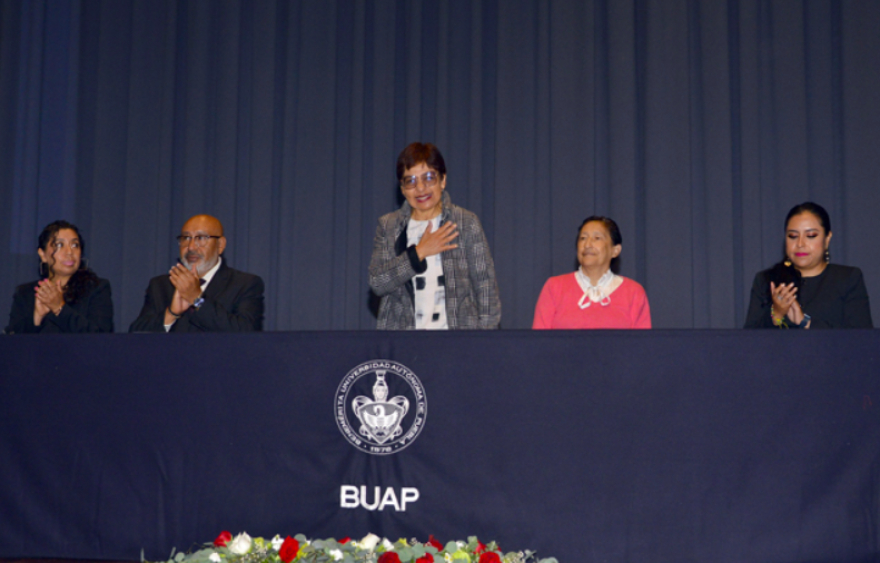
[815, 209]
[417, 153]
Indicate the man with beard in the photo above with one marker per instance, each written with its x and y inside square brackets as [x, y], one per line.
[201, 293]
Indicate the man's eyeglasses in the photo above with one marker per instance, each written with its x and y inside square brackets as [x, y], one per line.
[430, 180]
[201, 240]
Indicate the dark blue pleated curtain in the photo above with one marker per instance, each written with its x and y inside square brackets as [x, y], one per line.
[695, 124]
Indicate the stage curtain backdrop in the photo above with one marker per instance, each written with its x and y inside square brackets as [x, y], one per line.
[695, 124]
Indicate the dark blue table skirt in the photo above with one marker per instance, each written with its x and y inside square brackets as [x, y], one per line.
[588, 446]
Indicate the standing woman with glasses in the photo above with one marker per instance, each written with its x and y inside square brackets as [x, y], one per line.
[431, 264]
[805, 290]
[68, 297]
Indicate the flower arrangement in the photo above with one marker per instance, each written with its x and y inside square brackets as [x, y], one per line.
[371, 549]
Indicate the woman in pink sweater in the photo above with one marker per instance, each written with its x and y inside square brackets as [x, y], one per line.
[593, 296]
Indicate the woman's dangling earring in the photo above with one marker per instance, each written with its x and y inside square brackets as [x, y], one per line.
[827, 255]
[787, 263]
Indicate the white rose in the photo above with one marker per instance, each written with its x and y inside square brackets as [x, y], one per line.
[369, 542]
[215, 557]
[336, 554]
[387, 544]
[241, 544]
[276, 542]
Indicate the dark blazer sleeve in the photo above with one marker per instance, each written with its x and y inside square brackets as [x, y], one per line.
[92, 313]
[157, 298]
[233, 303]
[846, 290]
[856, 305]
[760, 303]
[239, 308]
[21, 316]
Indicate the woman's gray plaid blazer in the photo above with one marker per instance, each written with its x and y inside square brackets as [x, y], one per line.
[471, 290]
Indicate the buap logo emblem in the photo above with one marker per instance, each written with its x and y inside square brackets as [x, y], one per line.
[381, 407]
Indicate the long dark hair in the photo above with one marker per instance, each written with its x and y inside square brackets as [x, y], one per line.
[784, 272]
[83, 279]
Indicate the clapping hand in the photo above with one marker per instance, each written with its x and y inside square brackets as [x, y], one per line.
[49, 297]
[40, 308]
[435, 242]
[796, 314]
[785, 302]
[187, 286]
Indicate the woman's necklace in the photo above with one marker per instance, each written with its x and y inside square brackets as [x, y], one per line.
[594, 293]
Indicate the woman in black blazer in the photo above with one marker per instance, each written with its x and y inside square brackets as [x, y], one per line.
[68, 297]
[805, 290]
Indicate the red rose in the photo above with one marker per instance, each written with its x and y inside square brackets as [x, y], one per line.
[433, 541]
[428, 558]
[345, 540]
[223, 539]
[480, 548]
[389, 557]
[490, 557]
[288, 550]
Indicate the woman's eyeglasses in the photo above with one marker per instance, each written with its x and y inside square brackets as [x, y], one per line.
[430, 180]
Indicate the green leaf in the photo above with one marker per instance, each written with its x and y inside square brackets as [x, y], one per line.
[318, 552]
